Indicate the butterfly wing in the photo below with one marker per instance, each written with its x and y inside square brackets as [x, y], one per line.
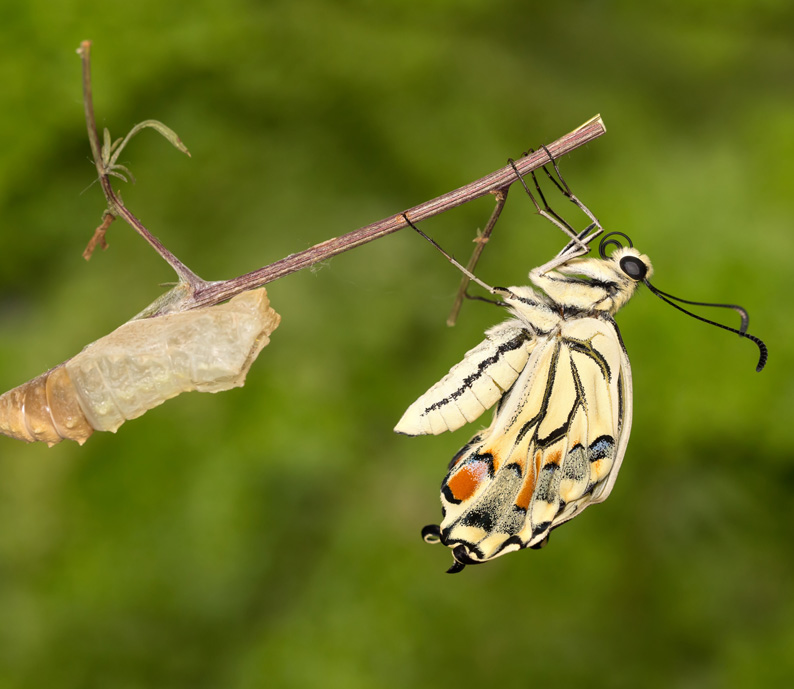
[554, 446]
[472, 386]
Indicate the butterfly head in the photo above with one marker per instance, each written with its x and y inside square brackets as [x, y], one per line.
[625, 259]
[598, 284]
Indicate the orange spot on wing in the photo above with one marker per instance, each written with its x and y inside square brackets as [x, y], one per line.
[528, 488]
[554, 457]
[600, 468]
[525, 494]
[464, 482]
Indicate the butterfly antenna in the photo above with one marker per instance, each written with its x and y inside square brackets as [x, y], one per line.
[740, 310]
[742, 332]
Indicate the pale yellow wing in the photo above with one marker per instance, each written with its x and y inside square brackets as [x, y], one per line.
[554, 447]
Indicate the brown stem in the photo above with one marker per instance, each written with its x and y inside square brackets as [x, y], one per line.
[115, 206]
[480, 241]
[202, 293]
[98, 239]
[216, 292]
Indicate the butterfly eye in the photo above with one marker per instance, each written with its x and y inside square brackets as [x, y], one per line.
[633, 267]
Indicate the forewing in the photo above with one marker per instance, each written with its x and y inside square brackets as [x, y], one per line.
[553, 448]
[472, 386]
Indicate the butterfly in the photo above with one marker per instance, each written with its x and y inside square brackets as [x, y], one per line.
[559, 375]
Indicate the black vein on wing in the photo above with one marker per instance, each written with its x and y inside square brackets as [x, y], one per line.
[509, 346]
[544, 404]
[586, 348]
[562, 430]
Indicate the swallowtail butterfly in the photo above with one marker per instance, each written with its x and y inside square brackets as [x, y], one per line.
[560, 378]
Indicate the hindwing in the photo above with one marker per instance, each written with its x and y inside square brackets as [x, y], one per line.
[554, 446]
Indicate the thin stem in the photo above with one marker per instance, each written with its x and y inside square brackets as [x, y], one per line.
[216, 292]
[480, 241]
[115, 205]
[84, 51]
[202, 293]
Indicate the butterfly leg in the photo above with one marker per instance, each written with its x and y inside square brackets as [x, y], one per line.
[460, 267]
[565, 190]
[569, 252]
[579, 244]
[547, 211]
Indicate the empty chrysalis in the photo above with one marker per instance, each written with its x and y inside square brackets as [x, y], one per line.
[138, 367]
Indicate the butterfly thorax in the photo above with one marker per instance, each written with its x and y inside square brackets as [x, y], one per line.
[587, 285]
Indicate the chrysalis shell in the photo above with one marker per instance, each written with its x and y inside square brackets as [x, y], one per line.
[139, 366]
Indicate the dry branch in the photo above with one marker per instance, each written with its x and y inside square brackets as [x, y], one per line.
[203, 293]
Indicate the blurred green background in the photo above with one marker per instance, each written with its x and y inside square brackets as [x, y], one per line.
[269, 536]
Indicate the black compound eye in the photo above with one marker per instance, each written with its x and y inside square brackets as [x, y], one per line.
[633, 267]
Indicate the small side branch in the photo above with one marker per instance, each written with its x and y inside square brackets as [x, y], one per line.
[480, 241]
[115, 206]
[98, 239]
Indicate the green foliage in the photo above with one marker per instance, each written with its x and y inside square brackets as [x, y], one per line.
[269, 536]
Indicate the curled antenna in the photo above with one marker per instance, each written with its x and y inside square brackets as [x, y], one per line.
[664, 296]
[606, 241]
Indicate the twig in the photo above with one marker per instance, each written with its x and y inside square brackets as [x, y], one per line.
[98, 239]
[217, 292]
[202, 293]
[115, 206]
[480, 241]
